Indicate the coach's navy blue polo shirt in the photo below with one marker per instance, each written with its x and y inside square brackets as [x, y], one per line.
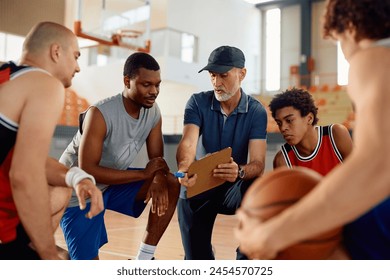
[248, 121]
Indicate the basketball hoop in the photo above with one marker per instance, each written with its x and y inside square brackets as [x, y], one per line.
[117, 39]
[126, 25]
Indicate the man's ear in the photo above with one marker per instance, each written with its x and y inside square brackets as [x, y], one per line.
[310, 119]
[126, 81]
[242, 74]
[55, 52]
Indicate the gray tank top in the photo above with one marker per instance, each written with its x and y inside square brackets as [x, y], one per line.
[124, 138]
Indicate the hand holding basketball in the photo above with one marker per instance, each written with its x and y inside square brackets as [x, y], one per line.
[254, 242]
[269, 196]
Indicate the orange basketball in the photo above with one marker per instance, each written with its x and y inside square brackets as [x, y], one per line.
[276, 191]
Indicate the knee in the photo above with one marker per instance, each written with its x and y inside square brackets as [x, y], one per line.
[61, 194]
[59, 198]
[67, 195]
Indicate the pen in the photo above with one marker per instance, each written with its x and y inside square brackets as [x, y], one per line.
[179, 174]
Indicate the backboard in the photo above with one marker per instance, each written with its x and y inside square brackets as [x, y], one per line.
[123, 23]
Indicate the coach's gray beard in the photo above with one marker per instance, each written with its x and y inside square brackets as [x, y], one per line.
[223, 97]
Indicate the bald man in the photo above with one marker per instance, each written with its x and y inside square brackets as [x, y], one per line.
[34, 189]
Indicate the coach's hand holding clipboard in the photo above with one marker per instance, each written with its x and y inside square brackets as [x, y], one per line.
[200, 176]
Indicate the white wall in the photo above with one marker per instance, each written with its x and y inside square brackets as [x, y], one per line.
[95, 82]
[215, 22]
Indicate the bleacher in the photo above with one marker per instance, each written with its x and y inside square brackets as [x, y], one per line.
[73, 106]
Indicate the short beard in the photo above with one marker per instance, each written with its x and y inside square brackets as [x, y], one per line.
[224, 97]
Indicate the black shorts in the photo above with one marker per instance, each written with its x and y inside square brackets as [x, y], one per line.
[19, 248]
[197, 216]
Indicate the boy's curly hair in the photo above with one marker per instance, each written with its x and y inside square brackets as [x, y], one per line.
[299, 99]
[370, 18]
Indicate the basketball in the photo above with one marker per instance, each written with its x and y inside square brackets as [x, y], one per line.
[276, 191]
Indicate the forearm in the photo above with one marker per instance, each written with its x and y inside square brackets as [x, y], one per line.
[110, 176]
[257, 151]
[253, 169]
[55, 172]
[184, 157]
[186, 149]
[32, 203]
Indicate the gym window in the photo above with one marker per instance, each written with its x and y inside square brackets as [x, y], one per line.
[272, 50]
[342, 67]
[10, 47]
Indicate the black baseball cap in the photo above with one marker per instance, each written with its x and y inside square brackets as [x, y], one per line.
[224, 58]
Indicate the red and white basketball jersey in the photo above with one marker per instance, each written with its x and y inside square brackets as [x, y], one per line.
[324, 157]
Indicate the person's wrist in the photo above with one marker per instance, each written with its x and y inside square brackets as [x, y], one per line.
[161, 173]
[75, 175]
[241, 172]
[146, 174]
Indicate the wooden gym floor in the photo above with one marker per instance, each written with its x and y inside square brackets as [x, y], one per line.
[125, 234]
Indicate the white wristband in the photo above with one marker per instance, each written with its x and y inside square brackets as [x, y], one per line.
[75, 175]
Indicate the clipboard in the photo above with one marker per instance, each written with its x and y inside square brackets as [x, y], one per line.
[204, 169]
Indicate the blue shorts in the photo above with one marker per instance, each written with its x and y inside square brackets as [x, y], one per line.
[85, 236]
[368, 237]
